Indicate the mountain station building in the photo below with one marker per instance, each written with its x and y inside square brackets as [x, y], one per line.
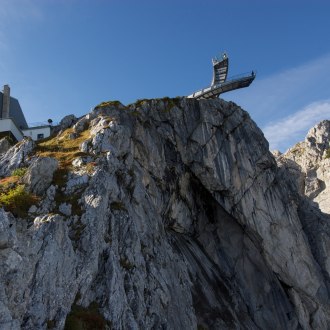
[12, 120]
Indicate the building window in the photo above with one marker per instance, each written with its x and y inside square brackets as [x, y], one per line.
[40, 136]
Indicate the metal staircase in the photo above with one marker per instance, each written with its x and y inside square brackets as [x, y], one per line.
[220, 84]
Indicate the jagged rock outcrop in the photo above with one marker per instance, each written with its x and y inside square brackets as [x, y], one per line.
[4, 145]
[312, 159]
[39, 175]
[68, 121]
[172, 215]
[16, 157]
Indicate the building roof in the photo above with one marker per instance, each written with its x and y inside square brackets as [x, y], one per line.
[15, 112]
[36, 127]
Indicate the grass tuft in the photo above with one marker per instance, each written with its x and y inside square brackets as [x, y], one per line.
[126, 264]
[327, 153]
[17, 201]
[5, 183]
[89, 318]
[117, 206]
[64, 149]
[109, 104]
[19, 171]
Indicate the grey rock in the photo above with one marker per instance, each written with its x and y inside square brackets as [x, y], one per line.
[187, 222]
[67, 122]
[78, 162]
[4, 145]
[40, 175]
[323, 193]
[16, 156]
[33, 209]
[312, 156]
[81, 124]
[7, 233]
[65, 209]
[48, 203]
[75, 181]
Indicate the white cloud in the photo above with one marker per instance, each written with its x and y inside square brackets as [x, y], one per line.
[286, 92]
[289, 130]
[289, 103]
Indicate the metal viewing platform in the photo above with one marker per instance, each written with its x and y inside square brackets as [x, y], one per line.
[219, 83]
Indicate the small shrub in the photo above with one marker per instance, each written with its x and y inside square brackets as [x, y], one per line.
[73, 199]
[126, 264]
[19, 171]
[17, 201]
[118, 206]
[51, 324]
[108, 104]
[171, 103]
[78, 229]
[139, 102]
[81, 318]
[327, 153]
[64, 149]
[90, 167]
[135, 113]
[200, 327]
[8, 181]
[60, 176]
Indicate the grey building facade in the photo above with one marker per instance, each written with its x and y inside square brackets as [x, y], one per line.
[10, 108]
[13, 123]
[12, 120]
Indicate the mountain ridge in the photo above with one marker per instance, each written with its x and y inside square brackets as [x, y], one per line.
[168, 213]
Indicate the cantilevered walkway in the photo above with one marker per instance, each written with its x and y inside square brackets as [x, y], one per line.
[220, 84]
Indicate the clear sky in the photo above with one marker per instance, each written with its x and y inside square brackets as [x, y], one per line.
[65, 56]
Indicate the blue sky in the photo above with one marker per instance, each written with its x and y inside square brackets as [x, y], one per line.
[65, 56]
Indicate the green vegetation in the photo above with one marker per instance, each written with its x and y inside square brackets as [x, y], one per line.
[77, 230]
[51, 324]
[139, 102]
[60, 176]
[19, 171]
[200, 327]
[171, 102]
[65, 150]
[109, 104]
[298, 150]
[72, 199]
[13, 196]
[327, 153]
[135, 113]
[81, 318]
[117, 206]
[90, 167]
[17, 201]
[8, 182]
[126, 264]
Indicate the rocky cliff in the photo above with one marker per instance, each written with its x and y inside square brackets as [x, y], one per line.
[165, 214]
[310, 160]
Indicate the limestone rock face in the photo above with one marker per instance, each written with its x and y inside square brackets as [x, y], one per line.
[67, 121]
[4, 145]
[40, 175]
[176, 216]
[313, 158]
[16, 156]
